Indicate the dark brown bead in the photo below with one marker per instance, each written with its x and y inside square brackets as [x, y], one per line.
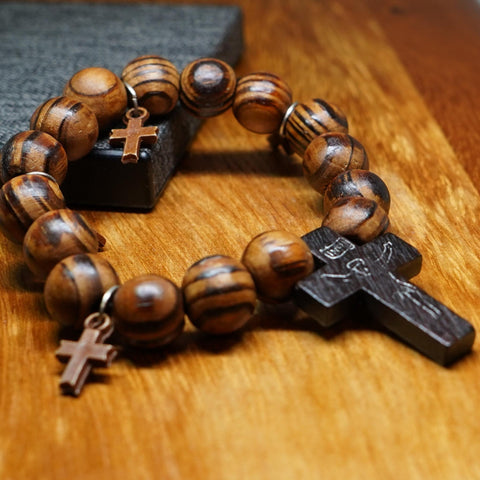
[54, 236]
[277, 260]
[156, 82]
[309, 120]
[357, 183]
[148, 311]
[207, 87]
[33, 151]
[25, 198]
[102, 91]
[356, 218]
[75, 287]
[329, 155]
[71, 122]
[261, 102]
[219, 294]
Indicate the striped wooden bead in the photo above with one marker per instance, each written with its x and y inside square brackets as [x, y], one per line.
[71, 122]
[75, 287]
[207, 87]
[148, 311]
[57, 235]
[25, 198]
[357, 218]
[156, 82]
[309, 120]
[357, 183]
[329, 155]
[33, 151]
[277, 260]
[261, 101]
[102, 91]
[219, 294]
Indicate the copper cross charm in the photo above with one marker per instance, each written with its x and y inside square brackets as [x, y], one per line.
[135, 134]
[87, 352]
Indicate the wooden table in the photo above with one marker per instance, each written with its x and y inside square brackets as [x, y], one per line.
[284, 400]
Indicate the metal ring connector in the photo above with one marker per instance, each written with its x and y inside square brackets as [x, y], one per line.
[107, 299]
[133, 96]
[290, 109]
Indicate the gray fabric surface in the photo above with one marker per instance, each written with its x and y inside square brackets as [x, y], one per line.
[43, 45]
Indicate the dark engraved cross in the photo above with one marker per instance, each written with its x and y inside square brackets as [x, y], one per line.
[376, 273]
[135, 134]
[89, 351]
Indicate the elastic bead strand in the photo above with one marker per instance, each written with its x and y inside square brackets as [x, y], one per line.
[261, 101]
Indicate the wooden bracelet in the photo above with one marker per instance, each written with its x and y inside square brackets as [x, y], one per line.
[324, 272]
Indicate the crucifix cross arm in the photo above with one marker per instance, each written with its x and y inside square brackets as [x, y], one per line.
[375, 275]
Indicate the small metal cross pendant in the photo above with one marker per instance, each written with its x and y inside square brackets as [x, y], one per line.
[87, 352]
[376, 274]
[134, 135]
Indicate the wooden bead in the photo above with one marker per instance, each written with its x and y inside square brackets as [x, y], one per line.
[329, 155]
[219, 294]
[207, 87]
[54, 236]
[75, 287]
[33, 151]
[261, 102]
[71, 122]
[277, 260]
[309, 120]
[356, 218]
[357, 183]
[148, 311]
[25, 198]
[156, 82]
[102, 91]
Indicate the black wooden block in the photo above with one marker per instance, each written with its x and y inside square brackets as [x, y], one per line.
[376, 274]
[43, 45]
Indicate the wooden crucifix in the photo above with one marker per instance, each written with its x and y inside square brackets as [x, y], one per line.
[89, 351]
[377, 274]
[134, 135]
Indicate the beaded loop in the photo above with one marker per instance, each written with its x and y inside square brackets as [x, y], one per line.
[357, 183]
[309, 120]
[71, 122]
[207, 87]
[261, 102]
[156, 82]
[329, 155]
[148, 311]
[219, 293]
[54, 236]
[77, 286]
[102, 91]
[357, 218]
[25, 198]
[33, 151]
[277, 260]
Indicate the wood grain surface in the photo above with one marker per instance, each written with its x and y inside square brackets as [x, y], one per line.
[284, 399]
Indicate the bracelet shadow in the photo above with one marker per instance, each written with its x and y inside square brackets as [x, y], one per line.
[267, 163]
[286, 317]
